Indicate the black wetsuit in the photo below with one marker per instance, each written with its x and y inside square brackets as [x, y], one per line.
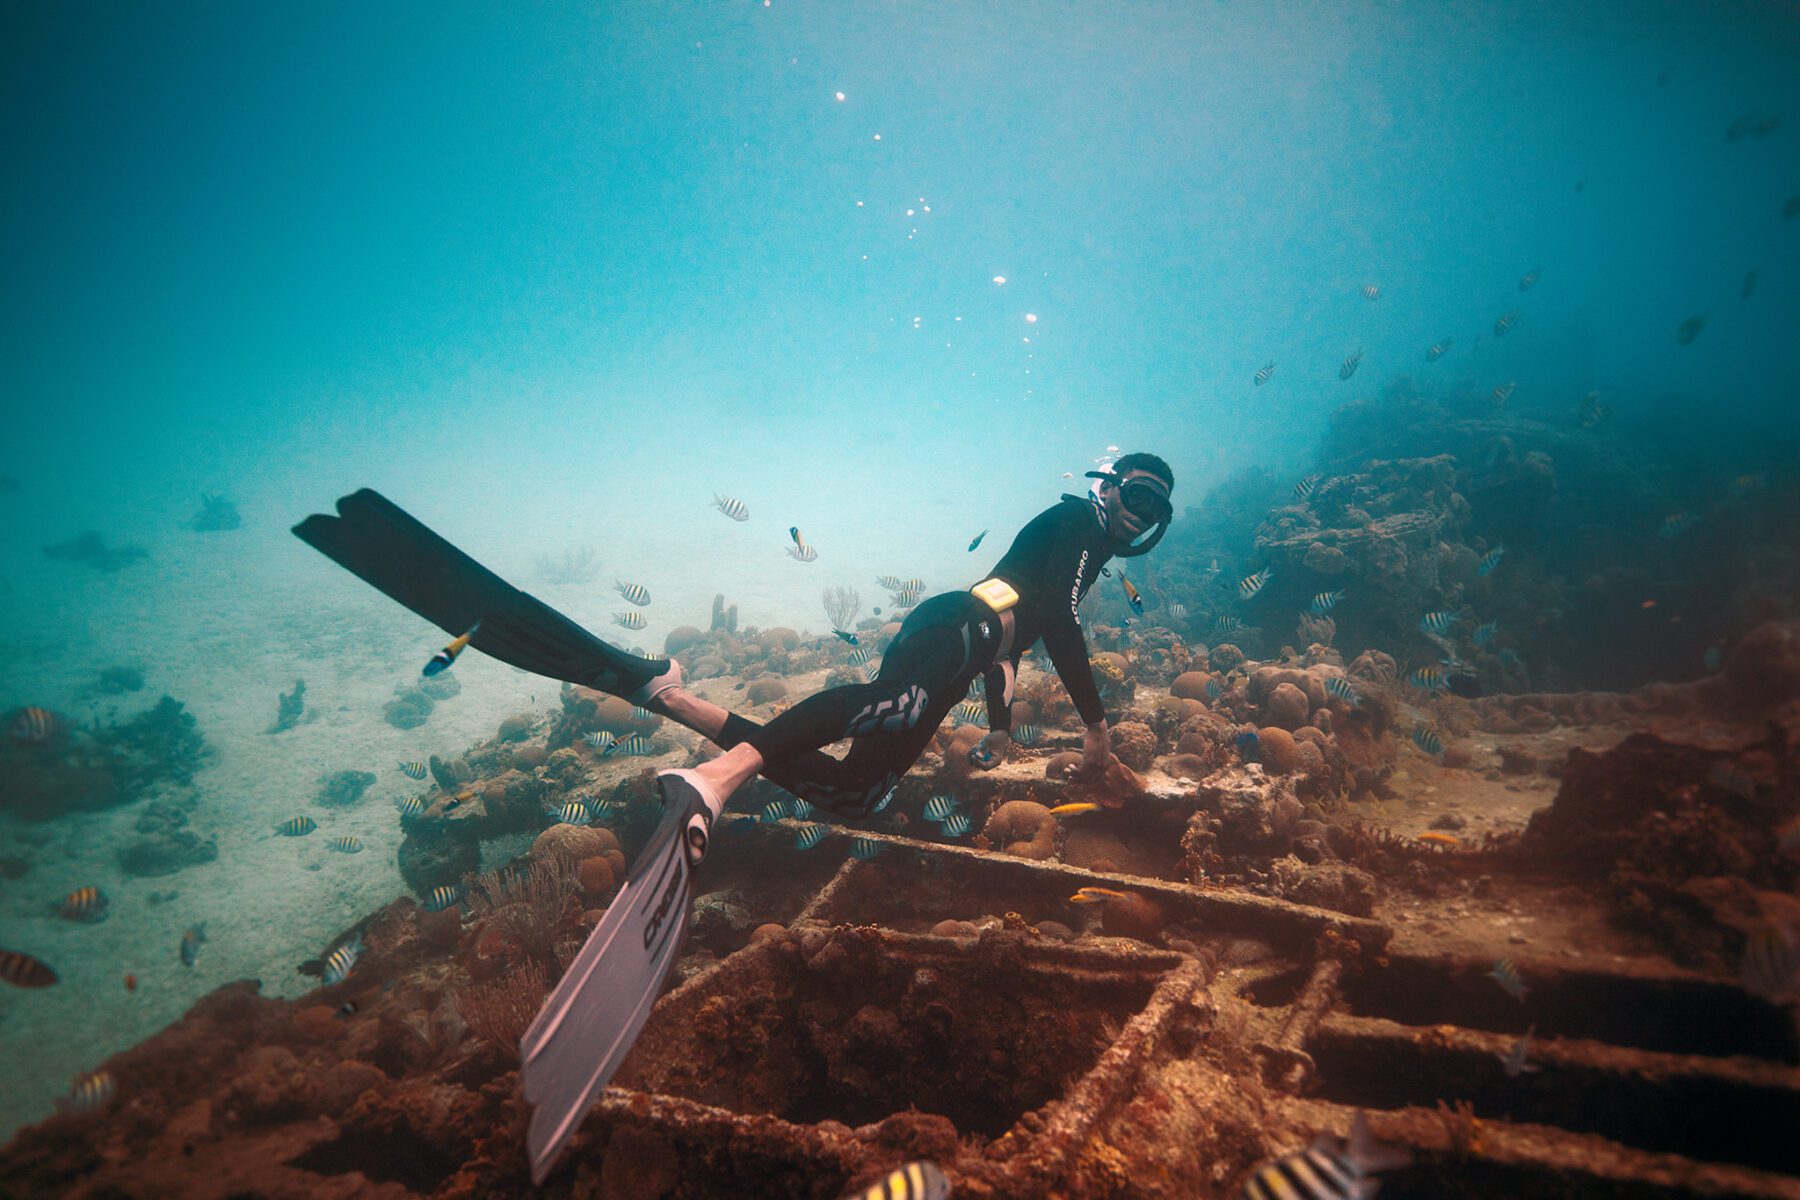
[944, 645]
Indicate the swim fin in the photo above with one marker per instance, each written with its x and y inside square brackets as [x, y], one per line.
[589, 1023]
[386, 547]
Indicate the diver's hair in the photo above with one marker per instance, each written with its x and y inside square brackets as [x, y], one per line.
[1140, 461]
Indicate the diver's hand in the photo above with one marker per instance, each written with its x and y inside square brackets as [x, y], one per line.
[990, 752]
[1096, 748]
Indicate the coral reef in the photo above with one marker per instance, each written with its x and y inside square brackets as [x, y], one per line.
[1023, 828]
[288, 711]
[91, 548]
[410, 708]
[341, 789]
[216, 515]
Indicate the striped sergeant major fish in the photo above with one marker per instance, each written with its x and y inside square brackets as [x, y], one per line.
[1529, 278]
[348, 843]
[22, 970]
[1348, 368]
[633, 592]
[809, 836]
[1503, 393]
[1327, 1170]
[920, 1180]
[296, 827]
[1324, 602]
[34, 726]
[90, 1092]
[1371, 291]
[444, 895]
[637, 743]
[1676, 524]
[630, 620]
[1226, 625]
[1486, 632]
[340, 962]
[860, 655]
[890, 582]
[803, 553]
[599, 740]
[1262, 376]
[1427, 740]
[443, 658]
[640, 713]
[939, 807]
[864, 848]
[413, 770]
[410, 807]
[84, 904]
[1506, 973]
[1437, 350]
[1027, 735]
[1305, 488]
[1437, 622]
[1343, 689]
[1513, 1062]
[1591, 413]
[1430, 677]
[574, 812]
[732, 508]
[956, 825]
[1249, 585]
[970, 712]
[1485, 565]
[1504, 324]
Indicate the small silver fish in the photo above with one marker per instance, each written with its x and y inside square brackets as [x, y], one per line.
[1513, 1062]
[732, 508]
[191, 941]
[977, 541]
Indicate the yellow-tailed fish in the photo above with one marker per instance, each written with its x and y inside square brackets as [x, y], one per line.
[443, 658]
[1095, 895]
[1074, 810]
[1131, 595]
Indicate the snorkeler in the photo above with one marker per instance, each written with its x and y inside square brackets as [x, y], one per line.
[590, 1021]
[946, 643]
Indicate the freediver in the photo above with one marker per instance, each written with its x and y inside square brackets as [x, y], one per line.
[946, 643]
[591, 1019]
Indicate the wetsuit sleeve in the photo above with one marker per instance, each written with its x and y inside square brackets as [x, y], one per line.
[1063, 637]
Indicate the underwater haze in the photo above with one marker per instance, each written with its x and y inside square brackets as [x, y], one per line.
[563, 281]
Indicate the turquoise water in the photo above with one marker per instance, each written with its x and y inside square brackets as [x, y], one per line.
[552, 279]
